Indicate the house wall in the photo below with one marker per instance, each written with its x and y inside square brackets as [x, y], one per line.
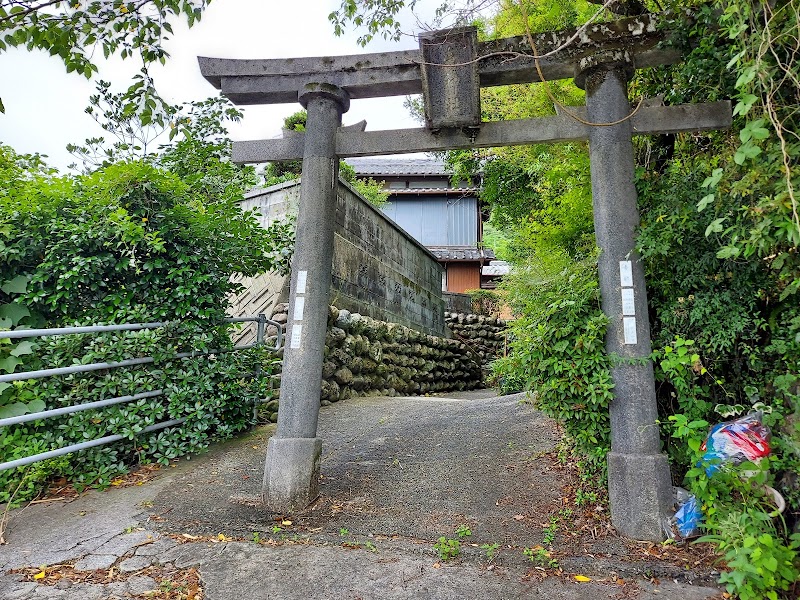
[437, 220]
[463, 276]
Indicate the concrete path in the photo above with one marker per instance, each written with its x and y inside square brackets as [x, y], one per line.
[398, 473]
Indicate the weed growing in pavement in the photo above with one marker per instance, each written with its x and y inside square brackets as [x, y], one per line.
[450, 548]
[582, 497]
[541, 557]
[447, 548]
[550, 531]
[491, 550]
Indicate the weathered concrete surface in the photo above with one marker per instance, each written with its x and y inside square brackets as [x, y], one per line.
[506, 61]
[397, 473]
[517, 132]
[291, 473]
[379, 270]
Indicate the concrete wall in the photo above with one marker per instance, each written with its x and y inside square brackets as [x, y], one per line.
[456, 302]
[378, 269]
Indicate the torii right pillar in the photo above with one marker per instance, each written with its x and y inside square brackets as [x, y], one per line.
[639, 482]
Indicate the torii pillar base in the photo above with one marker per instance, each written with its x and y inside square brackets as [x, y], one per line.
[291, 474]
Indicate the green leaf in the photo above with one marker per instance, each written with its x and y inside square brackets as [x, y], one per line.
[9, 363]
[713, 179]
[18, 285]
[36, 406]
[15, 312]
[747, 75]
[13, 410]
[22, 349]
[729, 252]
[744, 105]
[715, 226]
[704, 202]
[754, 130]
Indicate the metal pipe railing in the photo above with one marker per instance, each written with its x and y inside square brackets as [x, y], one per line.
[21, 462]
[132, 362]
[68, 410]
[26, 333]
[261, 321]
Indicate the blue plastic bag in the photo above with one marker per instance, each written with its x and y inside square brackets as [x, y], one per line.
[688, 518]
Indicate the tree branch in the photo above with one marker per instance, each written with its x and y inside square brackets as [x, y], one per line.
[29, 10]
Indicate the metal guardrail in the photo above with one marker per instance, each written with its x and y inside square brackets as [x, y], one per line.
[260, 320]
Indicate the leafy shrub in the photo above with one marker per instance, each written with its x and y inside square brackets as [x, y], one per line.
[741, 520]
[558, 348]
[485, 302]
[129, 243]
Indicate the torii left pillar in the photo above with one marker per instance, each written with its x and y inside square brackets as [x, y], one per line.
[291, 473]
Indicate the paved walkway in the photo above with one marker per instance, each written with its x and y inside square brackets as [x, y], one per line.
[398, 473]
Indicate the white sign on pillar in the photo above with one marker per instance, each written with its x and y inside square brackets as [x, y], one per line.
[297, 330]
[301, 281]
[628, 302]
[625, 273]
[299, 307]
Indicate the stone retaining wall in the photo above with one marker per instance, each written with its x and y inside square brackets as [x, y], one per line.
[367, 357]
[457, 302]
[485, 336]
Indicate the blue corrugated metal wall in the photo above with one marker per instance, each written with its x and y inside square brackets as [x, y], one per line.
[437, 221]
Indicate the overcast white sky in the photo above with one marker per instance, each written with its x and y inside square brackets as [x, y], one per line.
[45, 105]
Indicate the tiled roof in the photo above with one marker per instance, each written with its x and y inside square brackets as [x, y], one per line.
[461, 253]
[397, 166]
[466, 191]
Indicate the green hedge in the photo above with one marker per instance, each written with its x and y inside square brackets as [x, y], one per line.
[129, 243]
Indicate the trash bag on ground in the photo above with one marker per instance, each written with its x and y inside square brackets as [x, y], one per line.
[735, 442]
[745, 439]
[688, 518]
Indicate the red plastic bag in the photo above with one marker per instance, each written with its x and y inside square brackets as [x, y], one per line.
[735, 442]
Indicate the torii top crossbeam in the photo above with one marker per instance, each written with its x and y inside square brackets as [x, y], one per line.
[449, 68]
[498, 62]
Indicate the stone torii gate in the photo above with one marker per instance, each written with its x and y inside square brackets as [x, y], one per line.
[449, 69]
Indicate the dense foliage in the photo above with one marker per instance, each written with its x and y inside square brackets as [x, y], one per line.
[719, 238]
[127, 243]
